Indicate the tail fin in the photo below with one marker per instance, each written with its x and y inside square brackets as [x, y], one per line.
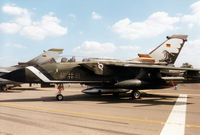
[169, 50]
[46, 57]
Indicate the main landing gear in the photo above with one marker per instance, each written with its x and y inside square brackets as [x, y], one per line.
[59, 96]
[135, 94]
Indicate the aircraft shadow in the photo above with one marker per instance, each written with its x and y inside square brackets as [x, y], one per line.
[25, 89]
[19, 90]
[147, 99]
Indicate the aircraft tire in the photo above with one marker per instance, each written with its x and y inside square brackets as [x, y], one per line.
[136, 94]
[59, 97]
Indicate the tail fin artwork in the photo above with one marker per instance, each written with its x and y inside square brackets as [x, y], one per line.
[169, 50]
[166, 53]
[46, 57]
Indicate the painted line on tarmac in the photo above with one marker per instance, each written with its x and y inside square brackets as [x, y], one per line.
[175, 124]
[91, 115]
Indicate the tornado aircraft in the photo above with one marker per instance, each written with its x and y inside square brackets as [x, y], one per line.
[148, 71]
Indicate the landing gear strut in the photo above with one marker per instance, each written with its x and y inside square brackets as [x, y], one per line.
[59, 96]
[135, 94]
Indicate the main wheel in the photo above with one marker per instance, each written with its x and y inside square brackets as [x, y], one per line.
[59, 97]
[136, 94]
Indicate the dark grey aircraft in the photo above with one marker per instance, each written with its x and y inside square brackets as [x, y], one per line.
[148, 71]
[46, 57]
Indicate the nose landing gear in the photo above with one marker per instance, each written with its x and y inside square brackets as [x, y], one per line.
[59, 96]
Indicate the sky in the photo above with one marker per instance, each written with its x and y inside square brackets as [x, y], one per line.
[96, 28]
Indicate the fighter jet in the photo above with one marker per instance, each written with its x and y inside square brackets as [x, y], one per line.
[46, 57]
[107, 76]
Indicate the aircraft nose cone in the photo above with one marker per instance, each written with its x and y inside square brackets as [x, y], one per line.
[16, 75]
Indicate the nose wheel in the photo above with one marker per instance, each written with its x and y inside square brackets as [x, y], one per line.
[59, 96]
[135, 94]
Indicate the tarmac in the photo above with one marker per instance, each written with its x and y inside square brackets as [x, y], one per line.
[33, 110]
